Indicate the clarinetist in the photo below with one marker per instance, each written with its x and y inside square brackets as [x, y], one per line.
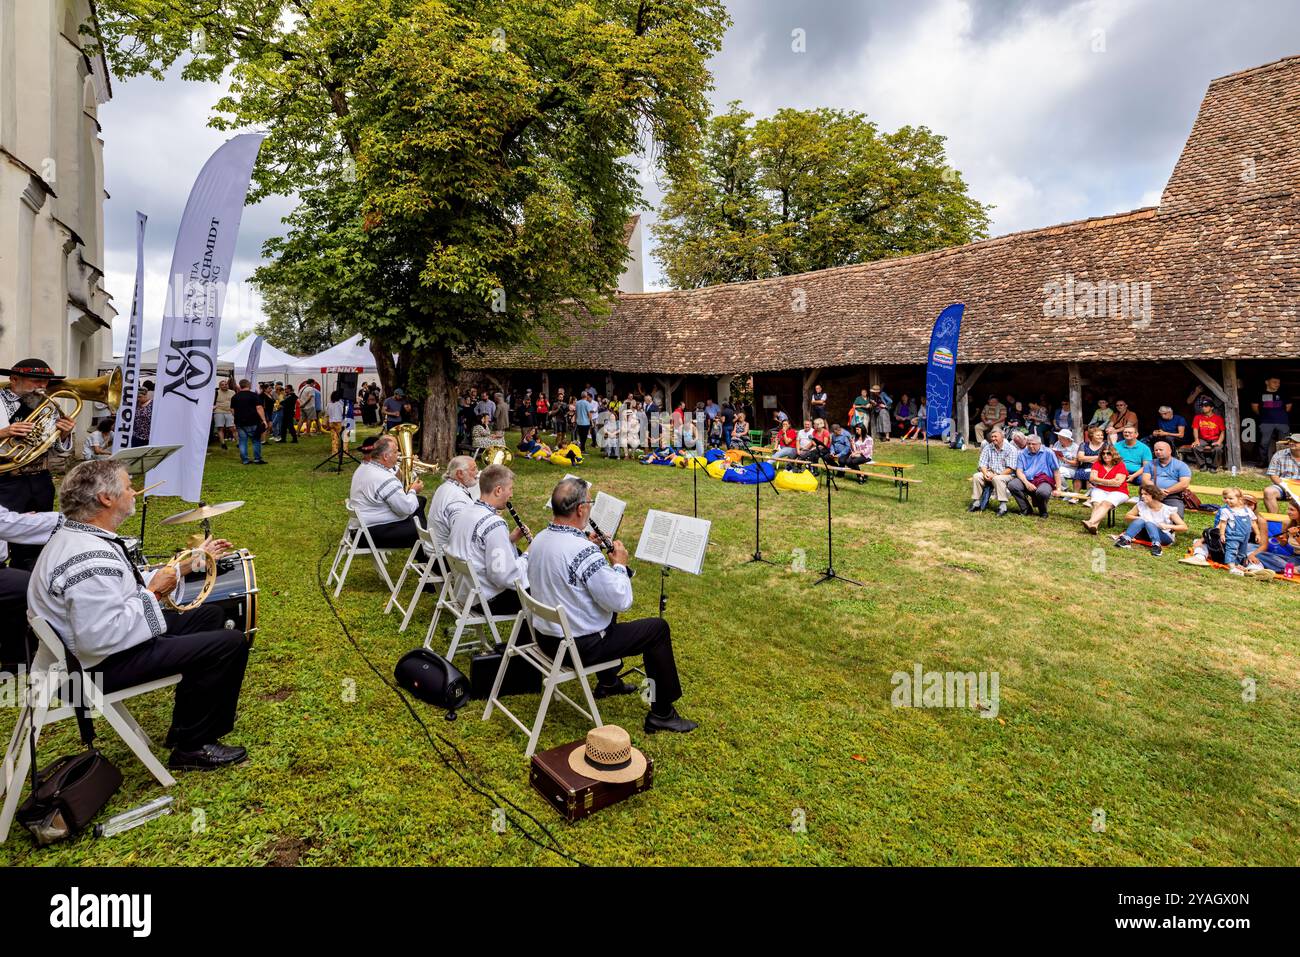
[481, 538]
[566, 569]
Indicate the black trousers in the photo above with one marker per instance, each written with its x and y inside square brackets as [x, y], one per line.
[26, 493]
[648, 637]
[1041, 494]
[211, 661]
[401, 534]
[16, 641]
[584, 433]
[505, 603]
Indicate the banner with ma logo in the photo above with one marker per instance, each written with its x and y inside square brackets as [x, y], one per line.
[191, 326]
[941, 371]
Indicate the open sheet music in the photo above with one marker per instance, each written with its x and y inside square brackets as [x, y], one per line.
[569, 475]
[607, 512]
[677, 541]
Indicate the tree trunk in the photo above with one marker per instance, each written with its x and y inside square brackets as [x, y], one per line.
[384, 364]
[438, 435]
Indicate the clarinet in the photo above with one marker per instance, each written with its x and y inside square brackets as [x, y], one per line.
[606, 544]
[510, 507]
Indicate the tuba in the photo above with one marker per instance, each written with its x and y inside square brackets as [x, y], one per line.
[409, 468]
[19, 450]
[500, 455]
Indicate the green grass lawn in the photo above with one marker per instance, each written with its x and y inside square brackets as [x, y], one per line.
[1120, 691]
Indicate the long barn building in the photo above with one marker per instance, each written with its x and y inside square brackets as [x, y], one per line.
[1203, 289]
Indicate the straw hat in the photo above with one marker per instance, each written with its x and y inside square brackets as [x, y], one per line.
[608, 755]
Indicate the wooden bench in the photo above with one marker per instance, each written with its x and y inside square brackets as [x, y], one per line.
[904, 485]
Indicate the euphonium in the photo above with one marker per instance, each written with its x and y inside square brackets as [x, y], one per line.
[500, 456]
[19, 450]
[409, 467]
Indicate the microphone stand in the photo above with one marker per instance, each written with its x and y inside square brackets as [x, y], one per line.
[758, 550]
[829, 574]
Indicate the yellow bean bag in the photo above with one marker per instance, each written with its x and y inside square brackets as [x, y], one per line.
[569, 455]
[716, 469]
[689, 462]
[796, 481]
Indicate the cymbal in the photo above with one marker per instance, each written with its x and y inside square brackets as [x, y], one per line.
[200, 513]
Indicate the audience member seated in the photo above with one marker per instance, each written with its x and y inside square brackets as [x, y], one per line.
[786, 441]
[529, 445]
[1121, 420]
[1109, 482]
[1167, 476]
[862, 446]
[1035, 476]
[739, 431]
[1089, 450]
[996, 469]
[805, 448]
[1066, 451]
[1134, 453]
[1101, 417]
[1278, 550]
[841, 446]
[1063, 419]
[1284, 465]
[1208, 431]
[1169, 427]
[993, 415]
[1157, 521]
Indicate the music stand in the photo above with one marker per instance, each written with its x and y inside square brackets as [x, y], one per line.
[829, 574]
[139, 461]
[337, 457]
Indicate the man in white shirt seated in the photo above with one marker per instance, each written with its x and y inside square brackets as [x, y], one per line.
[454, 494]
[107, 613]
[566, 569]
[99, 443]
[21, 528]
[377, 496]
[481, 538]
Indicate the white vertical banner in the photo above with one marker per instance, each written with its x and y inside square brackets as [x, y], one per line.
[191, 327]
[254, 357]
[131, 354]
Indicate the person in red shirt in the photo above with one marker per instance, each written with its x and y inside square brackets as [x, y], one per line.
[1108, 483]
[1208, 430]
[786, 437]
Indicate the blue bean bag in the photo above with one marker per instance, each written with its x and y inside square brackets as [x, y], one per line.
[712, 455]
[750, 474]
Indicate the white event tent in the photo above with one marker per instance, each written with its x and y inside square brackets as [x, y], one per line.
[271, 361]
[351, 355]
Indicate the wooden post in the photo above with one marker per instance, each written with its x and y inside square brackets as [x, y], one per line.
[1232, 413]
[1076, 399]
[724, 388]
[546, 385]
[809, 378]
[964, 382]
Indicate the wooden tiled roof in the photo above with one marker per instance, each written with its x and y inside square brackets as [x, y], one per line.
[1219, 261]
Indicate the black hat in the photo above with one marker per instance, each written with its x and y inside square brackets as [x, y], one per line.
[368, 443]
[33, 369]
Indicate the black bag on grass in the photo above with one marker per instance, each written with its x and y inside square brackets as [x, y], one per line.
[433, 679]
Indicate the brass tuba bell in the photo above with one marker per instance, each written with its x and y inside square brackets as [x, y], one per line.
[17, 451]
[500, 456]
[409, 467]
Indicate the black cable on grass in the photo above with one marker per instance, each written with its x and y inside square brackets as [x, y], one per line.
[466, 774]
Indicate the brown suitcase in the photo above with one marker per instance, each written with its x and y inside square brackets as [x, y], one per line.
[574, 795]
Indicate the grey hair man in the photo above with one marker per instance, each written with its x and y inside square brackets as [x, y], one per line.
[460, 481]
[108, 613]
[566, 569]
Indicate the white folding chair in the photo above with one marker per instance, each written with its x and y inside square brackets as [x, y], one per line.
[356, 541]
[470, 611]
[50, 672]
[554, 671]
[425, 561]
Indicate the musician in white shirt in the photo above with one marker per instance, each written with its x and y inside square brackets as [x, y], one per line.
[566, 569]
[107, 613]
[390, 513]
[481, 538]
[21, 528]
[453, 495]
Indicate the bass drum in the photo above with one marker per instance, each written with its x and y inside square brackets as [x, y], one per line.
[235, 591]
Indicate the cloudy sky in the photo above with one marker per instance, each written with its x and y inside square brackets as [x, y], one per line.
[1053, 110]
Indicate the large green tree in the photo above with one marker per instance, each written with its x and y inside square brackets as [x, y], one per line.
[474, 157]
[805, 190]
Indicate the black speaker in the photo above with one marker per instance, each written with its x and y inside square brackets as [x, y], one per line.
[433, 679]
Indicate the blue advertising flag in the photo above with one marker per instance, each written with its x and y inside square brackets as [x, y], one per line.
[940, 372]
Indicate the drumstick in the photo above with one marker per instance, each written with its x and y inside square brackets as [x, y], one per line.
[150, 488]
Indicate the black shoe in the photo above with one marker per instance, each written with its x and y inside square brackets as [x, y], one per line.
[974, 507]
[224, 445]
[1026, 511]
[245, 462]
[1156, 551]
[674, 722]
[1042, 515]
[207, 758]
[1002, 509]
[259, 462]
[607, 691]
